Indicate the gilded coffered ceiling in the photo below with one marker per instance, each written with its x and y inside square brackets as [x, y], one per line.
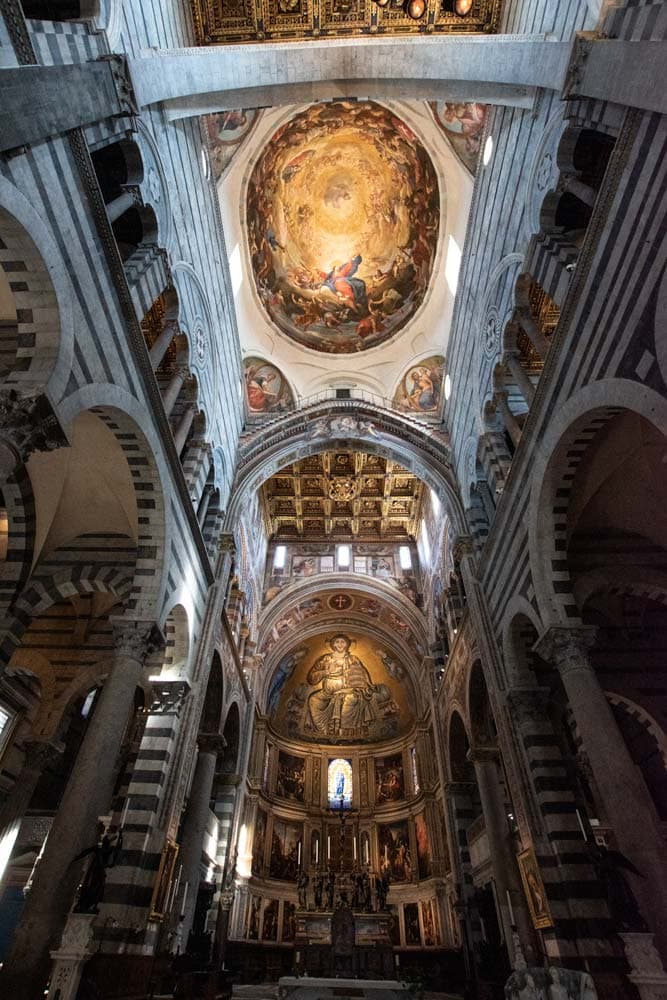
[343, 495]
[222, 21]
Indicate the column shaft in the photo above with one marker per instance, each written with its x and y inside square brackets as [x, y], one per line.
[510, 421]
[172, 391]
[194, 827]
[520, 377]
[159, 348]
[119, 206]
[533, 332]
[183, 429]
[86, 797]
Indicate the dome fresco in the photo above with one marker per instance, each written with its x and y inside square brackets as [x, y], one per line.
[342, 215]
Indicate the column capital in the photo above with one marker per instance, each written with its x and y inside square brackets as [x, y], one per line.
[226, 543]
[168, 696]
[136, 638]
[529, 704]
[462, 547]
[29, 424]
[567, 646]
[211, 742]
[40, 752]
[483, 755]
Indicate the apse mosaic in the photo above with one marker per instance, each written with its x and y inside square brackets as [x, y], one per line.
[226, 133]
[337, 688]
[343, 214]
[267, 389]
[420, 389]
[463, 124]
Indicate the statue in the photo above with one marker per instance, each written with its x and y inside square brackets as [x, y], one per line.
[318, 887]
[620, 897]
[358, 890]
[366, 884]
[382, 891]
[105, 854]
[302, 889]
[331, 886]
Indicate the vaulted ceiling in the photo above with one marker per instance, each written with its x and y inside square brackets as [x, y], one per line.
[343, 495]
[223, 21]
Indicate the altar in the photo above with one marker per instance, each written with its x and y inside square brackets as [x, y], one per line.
[342, 943]
[293, 988]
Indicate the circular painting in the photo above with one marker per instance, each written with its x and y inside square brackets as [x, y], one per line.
[342, 214]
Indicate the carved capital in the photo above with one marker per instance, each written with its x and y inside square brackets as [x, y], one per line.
[135, 639]
[567, 647]
[226, 543]
[528, 704]
[28, 424]
[462, 547]
[483, 754]
[211, 742]
[39, 753]
[168, 697]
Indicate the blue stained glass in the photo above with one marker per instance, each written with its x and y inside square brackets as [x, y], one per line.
[340, 783]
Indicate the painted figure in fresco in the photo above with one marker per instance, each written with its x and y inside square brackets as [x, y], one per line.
[284, 671]
[466, 119]
[230, 121]
[260, 395]
[341, 280]
[344, 698]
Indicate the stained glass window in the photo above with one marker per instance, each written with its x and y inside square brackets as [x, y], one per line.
[340, 783]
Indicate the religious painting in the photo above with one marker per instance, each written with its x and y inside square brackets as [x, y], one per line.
[164, 883]
[291, 777]
[258, 843]
[423, 846]
[429, 924]
[266, 388]
[226, 133]
[285, 850]
[463, 124]
[395, 855]
[270, 921]
[343, 211]
[394, 926]
[420, 389]
[533, 886]
[289, 921]
[389, 784]
[253, 918]
[339, 784]
[340, 691]
[411, 919]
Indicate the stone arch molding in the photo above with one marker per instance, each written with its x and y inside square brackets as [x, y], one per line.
[493, 315]
[154, 187]
[643, 717]
[544, 173]
[328, 425]
[578, 420]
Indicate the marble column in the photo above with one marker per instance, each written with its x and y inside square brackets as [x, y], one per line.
[621, 787]
[38, 754]
[120, 205]
[507, 417]
[159, 348]
[503, 860]
[202, 510]
[196, 819]
[173, 390]
[520, 376]
[75, 827]
[532, 331]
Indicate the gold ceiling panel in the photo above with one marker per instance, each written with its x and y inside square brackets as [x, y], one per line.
[343, 496]
[223, 21]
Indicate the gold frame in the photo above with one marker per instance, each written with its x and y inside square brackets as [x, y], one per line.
[528, 866]
[164, 881]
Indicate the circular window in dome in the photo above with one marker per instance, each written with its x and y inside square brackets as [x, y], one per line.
[342, 213]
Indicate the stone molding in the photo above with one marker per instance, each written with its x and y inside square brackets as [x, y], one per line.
[567, 647]
[483, 755]
[135, 639]
[28, 424]
[211, 743]
[168, 696]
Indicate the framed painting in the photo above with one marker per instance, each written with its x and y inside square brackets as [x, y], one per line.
[533, 887]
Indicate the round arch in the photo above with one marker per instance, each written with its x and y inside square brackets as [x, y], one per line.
[573, 427]
[343, 424]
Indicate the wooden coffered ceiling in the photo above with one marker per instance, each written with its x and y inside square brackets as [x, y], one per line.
[343, 495]
[222, 21]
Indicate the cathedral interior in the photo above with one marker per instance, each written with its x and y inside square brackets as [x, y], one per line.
[333, 559]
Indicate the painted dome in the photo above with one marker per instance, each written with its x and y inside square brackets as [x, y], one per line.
[342, 215]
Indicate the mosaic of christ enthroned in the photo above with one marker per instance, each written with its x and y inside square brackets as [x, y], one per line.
[342, 215]
[339, 690]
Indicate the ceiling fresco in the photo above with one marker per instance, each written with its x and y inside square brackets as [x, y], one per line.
[267, 390]
[343, 495]
[463, 125]
[342, 212]
[226, 133]
[224, 21]
[340, 687]
[420, 389]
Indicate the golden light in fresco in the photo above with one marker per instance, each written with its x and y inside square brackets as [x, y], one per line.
[343, 215]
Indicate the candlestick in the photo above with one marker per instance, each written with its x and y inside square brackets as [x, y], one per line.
[185, 896]
[298, 854]
[509, 907]
[317, 851]
[354, 846]
[328, 848]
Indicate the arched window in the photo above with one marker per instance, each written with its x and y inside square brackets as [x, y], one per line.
[340, 784]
